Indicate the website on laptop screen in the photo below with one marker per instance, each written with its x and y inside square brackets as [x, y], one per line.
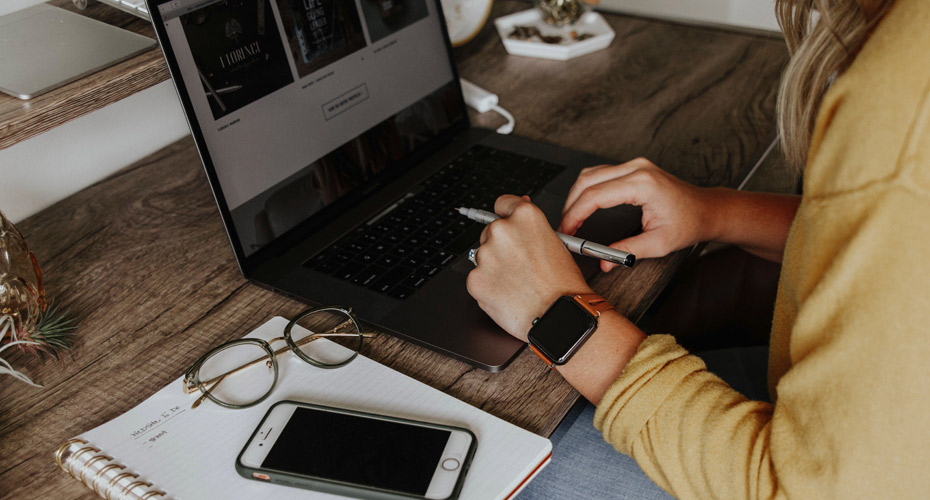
[300, 101]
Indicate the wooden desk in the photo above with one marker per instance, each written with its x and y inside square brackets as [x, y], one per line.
[142, 260]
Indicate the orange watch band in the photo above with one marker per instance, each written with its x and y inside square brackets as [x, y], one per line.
[542, 356]
[593, 303]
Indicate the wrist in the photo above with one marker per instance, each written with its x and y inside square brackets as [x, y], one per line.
[712, 208]
[602, 359]
[758, 222]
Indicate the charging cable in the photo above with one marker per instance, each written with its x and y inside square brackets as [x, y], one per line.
[484, 101]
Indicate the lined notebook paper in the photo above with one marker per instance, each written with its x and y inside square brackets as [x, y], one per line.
[163, 449]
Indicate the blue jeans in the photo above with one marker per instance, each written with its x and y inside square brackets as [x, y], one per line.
[584, 466]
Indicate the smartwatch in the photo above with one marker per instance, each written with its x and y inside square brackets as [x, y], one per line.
[565, 326]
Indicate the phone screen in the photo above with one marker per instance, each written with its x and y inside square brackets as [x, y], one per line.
[363, 451]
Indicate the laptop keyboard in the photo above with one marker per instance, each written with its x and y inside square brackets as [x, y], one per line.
[400, 249]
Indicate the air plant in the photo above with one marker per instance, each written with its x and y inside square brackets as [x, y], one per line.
[7, 326]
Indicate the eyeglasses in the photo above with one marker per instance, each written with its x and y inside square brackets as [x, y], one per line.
[231, 376]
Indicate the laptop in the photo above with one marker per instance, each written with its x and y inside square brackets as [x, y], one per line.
[337, 144]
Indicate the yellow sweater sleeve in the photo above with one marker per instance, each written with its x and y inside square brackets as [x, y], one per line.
[689, 432]
[852, 419]
[851, 337]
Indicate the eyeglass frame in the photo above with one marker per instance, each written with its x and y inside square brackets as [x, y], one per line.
[192, 383]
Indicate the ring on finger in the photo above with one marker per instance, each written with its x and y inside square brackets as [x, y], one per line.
[473, 256]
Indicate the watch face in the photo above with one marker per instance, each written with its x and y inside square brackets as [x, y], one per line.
[562, 330]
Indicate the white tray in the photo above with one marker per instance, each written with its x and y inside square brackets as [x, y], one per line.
[592, 23]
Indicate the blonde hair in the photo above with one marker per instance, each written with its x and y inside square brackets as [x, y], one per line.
[821, 49]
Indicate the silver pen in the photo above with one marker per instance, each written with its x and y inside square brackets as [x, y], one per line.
[573, 243]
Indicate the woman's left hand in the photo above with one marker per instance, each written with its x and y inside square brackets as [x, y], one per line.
[523, 267]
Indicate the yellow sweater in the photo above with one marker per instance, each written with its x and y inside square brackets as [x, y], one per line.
[850, 348]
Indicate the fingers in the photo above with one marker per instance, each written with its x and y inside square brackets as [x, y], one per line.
[647, 245]
[505, 206]
[601, 173]
[587, 178]
[603, 187]
[604, 195]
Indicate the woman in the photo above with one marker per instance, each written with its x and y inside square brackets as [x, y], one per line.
[848, 377]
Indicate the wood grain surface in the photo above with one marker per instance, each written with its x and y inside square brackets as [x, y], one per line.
[20, 120]
[141, 259]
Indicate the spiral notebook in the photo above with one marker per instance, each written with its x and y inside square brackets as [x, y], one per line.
[162, 449]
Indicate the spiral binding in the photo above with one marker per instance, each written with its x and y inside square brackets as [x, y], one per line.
[105, 489]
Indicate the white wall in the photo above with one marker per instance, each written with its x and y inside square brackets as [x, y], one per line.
[13, 5]
[37, 172]
[752, 14]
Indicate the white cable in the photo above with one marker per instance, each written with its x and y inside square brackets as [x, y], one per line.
[507, 127]
[483, 101]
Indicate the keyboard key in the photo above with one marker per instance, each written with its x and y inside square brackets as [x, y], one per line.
[413, 261]
[390, 279]
[427, 252]
[369, 275]
[427, 232]
[365, 258]
[428, 270]
[401, 292]
[413, 281]
[440, 240]
[415, 241]
[328, 267]
[357, 247]
[405, 229]
[403, 251]
[369, 238]
[442, 258]
[349, 271]
[342, 257]
[388, 261]
[379, 249]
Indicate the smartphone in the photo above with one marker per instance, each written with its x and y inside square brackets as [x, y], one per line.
[357, 454]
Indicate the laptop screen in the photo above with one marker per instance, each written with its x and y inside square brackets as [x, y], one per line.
[303, 104]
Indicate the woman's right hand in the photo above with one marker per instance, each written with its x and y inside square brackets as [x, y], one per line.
[675, 214]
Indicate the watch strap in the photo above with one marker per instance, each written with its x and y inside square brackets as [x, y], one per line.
[542, 356]
[593, 303]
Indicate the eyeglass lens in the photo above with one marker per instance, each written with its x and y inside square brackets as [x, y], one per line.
[238, 387]
[338, 328]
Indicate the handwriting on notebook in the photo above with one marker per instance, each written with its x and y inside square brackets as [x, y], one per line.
[163, 417]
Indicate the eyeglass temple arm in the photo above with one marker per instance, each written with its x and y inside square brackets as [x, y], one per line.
[204, 395]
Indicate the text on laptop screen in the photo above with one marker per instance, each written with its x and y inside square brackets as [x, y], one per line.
[301, 101]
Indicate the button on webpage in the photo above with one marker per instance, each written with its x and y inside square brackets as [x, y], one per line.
[345, 101]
